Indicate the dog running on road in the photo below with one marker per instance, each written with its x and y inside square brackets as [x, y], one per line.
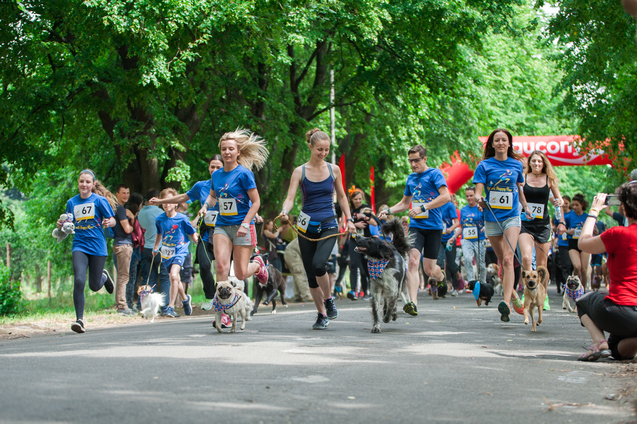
[535, 286]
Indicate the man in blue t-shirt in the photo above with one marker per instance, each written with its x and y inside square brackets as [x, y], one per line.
[425, 192]
[147, 217]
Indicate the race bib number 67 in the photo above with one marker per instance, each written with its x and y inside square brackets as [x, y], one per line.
[501, 200]
[84, 211]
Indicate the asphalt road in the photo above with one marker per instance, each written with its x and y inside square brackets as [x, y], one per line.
[453, 363]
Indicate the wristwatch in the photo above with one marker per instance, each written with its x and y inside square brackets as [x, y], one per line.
[245, 225]
[351, 220]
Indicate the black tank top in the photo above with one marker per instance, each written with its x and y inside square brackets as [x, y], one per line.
[538, 196]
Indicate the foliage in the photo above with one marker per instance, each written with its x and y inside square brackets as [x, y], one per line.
[10, 295]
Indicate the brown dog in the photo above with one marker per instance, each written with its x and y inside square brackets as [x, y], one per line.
[535, 286]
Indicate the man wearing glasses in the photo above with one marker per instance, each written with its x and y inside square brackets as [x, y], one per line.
[425, 192]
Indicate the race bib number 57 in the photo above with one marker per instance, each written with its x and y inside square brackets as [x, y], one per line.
[228, 206]
[85, 211]
[501, 200]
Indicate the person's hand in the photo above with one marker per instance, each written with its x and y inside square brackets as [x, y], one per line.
[284, 217]
[109, 222]
[561, 228]
[154, 201]
[129, 214]
[558, 202]
[258, 219]
[351, 227]
[482, 204]
[361, 225]
[155, 252]
[195, 238]
[383, 214]
[598, 203]
[415, 212]
[242, 231]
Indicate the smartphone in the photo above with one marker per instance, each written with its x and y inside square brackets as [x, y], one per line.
[612, 200]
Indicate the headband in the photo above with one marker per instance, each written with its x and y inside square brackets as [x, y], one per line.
[87, 171]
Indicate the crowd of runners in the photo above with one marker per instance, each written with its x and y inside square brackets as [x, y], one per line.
[506, 222]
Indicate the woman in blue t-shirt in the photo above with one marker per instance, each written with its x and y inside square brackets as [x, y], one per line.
[234, 189]
[500, 173]
[574, 222]
[89, 213]
[319, 180]
[205, 249]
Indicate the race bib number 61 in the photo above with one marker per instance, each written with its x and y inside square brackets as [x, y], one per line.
[501, 200]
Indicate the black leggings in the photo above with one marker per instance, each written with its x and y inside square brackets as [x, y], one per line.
[315, 254]
[96, 277]
[205, 256]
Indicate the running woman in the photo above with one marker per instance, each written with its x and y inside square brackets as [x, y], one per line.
[501, 173]
[539, 183]
[90, 212]
[473, 243]
[426, 191]
[318, 180]
[205, 250]
[574, 221]
[172, 231]
[235, 189]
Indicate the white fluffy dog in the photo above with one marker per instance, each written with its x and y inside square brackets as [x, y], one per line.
[151, 302]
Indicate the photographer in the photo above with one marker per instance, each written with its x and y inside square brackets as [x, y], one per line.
[615, 313]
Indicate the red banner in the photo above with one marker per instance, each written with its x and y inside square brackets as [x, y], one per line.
[562, 150]
[341, 165]
[457, 173]
[372, 193]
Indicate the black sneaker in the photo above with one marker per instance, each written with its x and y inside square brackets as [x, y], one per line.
[125, 311]
[78, 326]
[321, 322]
[330, 308]
[351, 295]
[108, 284]
[411, 309]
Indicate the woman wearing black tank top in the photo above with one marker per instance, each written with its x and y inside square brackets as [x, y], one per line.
[318, 180]
[538, 184]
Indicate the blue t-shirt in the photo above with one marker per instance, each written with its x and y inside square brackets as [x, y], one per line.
[173, 232]
[472, 221]
[231, 189]
[146, 219]
[500, 179]
[449, 213]
[423, 188]
[200, 191]
[88, 215]
[575, 221]
[563, 239]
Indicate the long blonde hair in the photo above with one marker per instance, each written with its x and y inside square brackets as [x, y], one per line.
[546, 169]
[252, 148]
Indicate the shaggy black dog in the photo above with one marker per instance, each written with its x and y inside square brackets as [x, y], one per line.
[274, 285]
[387, 265]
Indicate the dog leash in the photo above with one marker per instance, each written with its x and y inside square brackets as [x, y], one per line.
[306, 237]
[515, 253]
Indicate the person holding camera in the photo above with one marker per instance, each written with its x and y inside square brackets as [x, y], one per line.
[615, 313]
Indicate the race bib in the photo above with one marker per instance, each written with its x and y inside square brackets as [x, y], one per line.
[211, 218]
[577, 233]
[228, 206]
[418, 207]
[303, 222]
[564, 236]
[85, 211]
[167, 252]
[469, 233]
[501, 200]
[537, 210]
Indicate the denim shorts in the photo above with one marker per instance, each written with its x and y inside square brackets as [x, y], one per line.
[230, 231]
[492, 229]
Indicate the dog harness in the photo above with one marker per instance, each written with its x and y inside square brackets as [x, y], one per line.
[220, 308]
[574, 294]
[145, 293]
[376, 267]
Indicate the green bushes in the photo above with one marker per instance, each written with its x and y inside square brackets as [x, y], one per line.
[10, 295]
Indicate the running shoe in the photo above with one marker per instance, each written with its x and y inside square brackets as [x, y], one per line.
[225, 321]
[207, 305]
[262, 274]
[321, 322]
[330, 308]
[454, 292]
[108, 284]
[78, 326]
[125, 311]
[411, 309]
[547, 307]
[518, 306]
[505, 312]
[187, 305]
[170, 312]
[352, 295]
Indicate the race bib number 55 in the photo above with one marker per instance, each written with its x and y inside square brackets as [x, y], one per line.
[85, 211]
[470, 233]
[501, 200]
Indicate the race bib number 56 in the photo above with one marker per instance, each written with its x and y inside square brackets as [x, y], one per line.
[501, 200]
[85, 211]
[303, 222]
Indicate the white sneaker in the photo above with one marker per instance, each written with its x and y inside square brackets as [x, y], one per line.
[207, 305]
[454, 292]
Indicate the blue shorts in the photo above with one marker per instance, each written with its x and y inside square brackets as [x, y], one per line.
[596, 259]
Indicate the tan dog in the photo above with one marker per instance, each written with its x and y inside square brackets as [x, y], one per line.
[535, 286]
[231, 301]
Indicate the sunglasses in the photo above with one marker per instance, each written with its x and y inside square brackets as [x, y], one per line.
[414, 160]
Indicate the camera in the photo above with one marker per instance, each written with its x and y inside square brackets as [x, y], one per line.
[612, 200]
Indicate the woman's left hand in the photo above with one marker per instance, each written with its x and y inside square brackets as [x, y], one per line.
[558, 202]
[529, 214]
[351, 227]
[599, 202]
[109, 222]
[242, 232]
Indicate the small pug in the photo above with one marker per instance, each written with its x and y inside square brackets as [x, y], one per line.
[151, 302]
[231, 301]
[573, 289]
[535, 285]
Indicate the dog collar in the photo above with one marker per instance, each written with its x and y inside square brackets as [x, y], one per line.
[574, 294]
[145, 293]
[220, 308]
[476, 290]
[376, 267]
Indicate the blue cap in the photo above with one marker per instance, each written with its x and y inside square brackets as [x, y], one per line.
[476, 290]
